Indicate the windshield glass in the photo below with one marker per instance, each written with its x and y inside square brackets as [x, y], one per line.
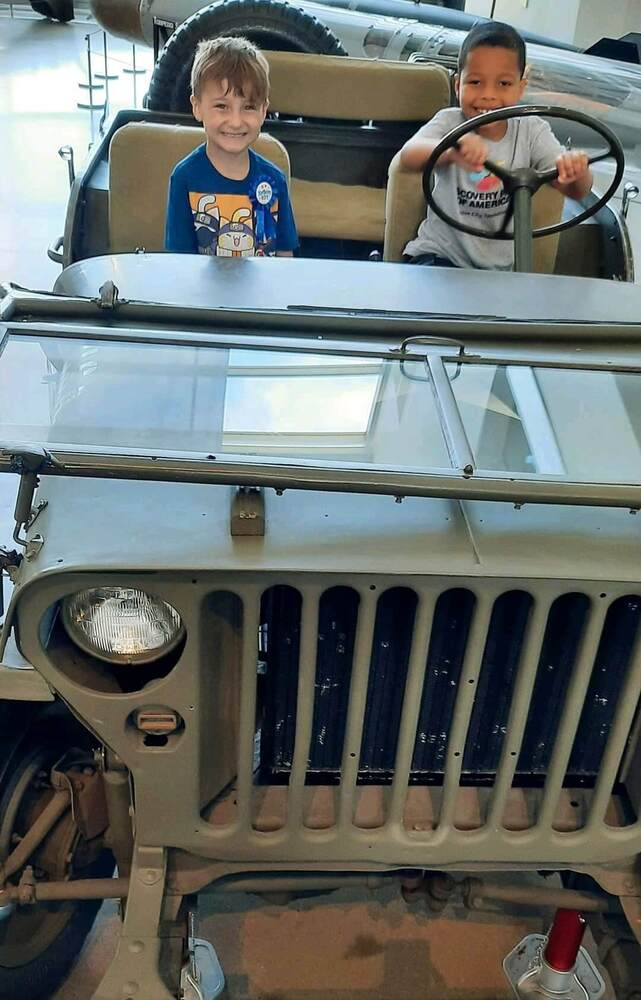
[584, 426]
[228, 401]
[429, 414]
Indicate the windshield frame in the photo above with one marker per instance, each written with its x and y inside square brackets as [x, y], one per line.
[462, 481]
[180, 467]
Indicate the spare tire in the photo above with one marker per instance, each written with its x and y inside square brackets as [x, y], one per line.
[270, 24]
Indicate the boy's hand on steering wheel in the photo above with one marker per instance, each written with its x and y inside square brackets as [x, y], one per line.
[572, 166]
[471, 152]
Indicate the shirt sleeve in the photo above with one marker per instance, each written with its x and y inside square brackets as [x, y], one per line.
[286, 235]
[544, 146]
[180, 235]
[438, 126]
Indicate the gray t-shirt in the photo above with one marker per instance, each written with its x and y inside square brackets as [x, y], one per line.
[478, 199]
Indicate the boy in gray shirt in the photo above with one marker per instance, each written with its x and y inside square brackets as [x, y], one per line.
[490, 76]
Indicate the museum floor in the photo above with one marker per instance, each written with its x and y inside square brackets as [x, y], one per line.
[345, 946]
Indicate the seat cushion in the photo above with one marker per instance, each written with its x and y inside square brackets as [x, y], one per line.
[142, 156]
[339, 211]
[348, 89]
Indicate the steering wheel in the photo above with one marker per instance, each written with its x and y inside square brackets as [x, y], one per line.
[522, 183]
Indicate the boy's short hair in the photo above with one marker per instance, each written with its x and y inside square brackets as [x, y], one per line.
[234, 59]
[497, 35]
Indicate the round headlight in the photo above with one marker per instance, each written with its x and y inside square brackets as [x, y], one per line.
[121, 625]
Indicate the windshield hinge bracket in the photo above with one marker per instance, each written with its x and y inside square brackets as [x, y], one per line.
[247, 511]
[28, 463]
[25, 514]
[26, 459]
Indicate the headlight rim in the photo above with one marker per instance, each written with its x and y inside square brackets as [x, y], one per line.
[114, 660]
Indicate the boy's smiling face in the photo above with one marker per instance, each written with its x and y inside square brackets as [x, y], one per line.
[491, 79]
[231, 121]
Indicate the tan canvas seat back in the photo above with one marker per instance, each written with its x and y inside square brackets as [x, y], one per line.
[142, 156]
[358, 90]
[405, 210]
[348, 89]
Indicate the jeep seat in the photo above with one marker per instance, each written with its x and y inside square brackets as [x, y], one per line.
[405, 209]
[141, 158]
[348, 91]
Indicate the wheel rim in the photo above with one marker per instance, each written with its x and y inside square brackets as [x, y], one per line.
[30, 930]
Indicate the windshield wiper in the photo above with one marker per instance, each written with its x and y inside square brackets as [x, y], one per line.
[392, 313]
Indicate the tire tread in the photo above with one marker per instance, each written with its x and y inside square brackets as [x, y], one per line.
[289, 24]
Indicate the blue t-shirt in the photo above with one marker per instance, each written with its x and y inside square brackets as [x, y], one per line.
[211, 214]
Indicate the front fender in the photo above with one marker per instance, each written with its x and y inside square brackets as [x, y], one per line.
[23, 685]
[19, 682]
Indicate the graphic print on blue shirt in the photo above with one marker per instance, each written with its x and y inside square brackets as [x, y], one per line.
[224, 224]
[214, 215]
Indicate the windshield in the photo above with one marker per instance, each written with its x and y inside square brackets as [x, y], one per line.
[358, 410]
[581, 425]
[228, 401]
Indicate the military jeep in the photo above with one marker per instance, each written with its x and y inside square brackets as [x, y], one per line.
[320, 567]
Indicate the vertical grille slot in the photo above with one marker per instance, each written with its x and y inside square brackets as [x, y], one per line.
[280, 616]
[529, 661]
[606, 683]
[450, 630]
[305, 706]
[247, 726]
[221, 616]
[610, 772]
[493, 697]
[337, 616]
[391, 647]
[411, 708]
[463, 709]
[565, 626]
[611, 706]
[356, 709]
[569, 720]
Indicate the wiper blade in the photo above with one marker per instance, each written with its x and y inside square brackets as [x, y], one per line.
[392, 313]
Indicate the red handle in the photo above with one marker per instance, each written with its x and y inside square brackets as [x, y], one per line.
[564, 940]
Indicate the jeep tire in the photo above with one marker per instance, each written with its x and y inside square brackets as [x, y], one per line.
[39, 943]
[55, 10]
[270, 24]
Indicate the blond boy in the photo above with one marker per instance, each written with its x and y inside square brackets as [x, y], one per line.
[226, 200]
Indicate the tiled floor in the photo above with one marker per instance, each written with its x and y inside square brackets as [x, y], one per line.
[349, 945]
[345, 946]
[41, 66]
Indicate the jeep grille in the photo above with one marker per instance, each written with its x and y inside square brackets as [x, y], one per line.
[430, 710]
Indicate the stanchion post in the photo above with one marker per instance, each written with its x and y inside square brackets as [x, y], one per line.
[134, 70]
[90, 85]
[106, 75]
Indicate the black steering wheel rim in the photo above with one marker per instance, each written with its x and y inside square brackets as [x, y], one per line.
[615, 149]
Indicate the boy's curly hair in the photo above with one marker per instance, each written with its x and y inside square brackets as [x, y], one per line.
[234, 59]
